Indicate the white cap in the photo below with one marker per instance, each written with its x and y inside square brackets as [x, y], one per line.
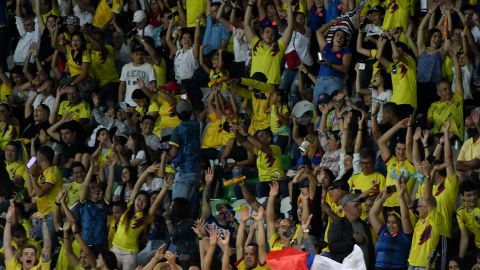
[139, 16]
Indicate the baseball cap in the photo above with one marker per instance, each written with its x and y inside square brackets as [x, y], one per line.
[139, 16]
[351, 198]
[72, 20]
[228, 207]
[378, 8]
[183, 106]
[339, 185]
[171, 87]
[323, 99]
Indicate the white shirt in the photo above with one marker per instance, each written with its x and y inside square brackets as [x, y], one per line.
[185, 64]
[379, 100]
[301, 44]
[122, 57]
[372, 30]
[466, 79]
[85, 16]
[26, 39]
[156, 184]
[130, 74]
[148, 31]
[241, 50]
[42, 99]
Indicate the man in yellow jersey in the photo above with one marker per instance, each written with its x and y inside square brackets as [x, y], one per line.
[27, 259]
[395, 164]
[469, 156]
[332, 206]
[14, 165]
[368, 180]
[45, 185]
[426, 233]
[468, 217]
[269, 157]
[78, 108]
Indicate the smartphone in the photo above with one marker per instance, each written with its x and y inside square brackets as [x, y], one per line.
[321, 58]
[183, 97]
[391, 189]
[31, 162]
[304, 146]
[361, 66]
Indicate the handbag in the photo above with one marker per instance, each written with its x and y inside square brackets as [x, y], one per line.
[292, 58]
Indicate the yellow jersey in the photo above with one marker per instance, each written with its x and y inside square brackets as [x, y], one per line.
[193, 9]
[152, 108]
[260, 119]
[103, 13]
[425, 238]
[53, 176]
[470, 150]
[167, 116]
[397, 15]
[63, 262]
[275, 242]
[393, 170]
[241, 266]
[270, 167]
[15, 168]
[5, 92]
[127, 235]
[440, 111]
[276, 126]
[404, 81]
[363, 182]
[337, 209]
[104, 72]
[73, 67]
[74, 190]
[267, 59]
[466, 220]
[78, 111]
[14, 264]
[161, 72]
[213, 135]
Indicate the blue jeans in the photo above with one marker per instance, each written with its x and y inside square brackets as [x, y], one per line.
[326, 85]
[288, 83]
[186, 186]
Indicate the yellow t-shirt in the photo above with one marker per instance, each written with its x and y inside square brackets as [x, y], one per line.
[63, 262]
[74, 190]
[78, 111]
[274, 242]
[393, 170]
[104, 72]
[275, 125]
[213, 135]
[466, 220]
[241, 266]
[73, 67]
[425, 238]
[54, 11]
[46, 203]
[103, 13]
[397, 15]
[14, 264]
[161, 72]
[260, 119]
[193, 9]
[404, 81]
[440, 111]
[470, 150]
[15, 168]
[112, 229]
[266, 60]
[167, 116]
[446, 195]
[269, 167]
[364, 182]
[126, 237]
[5, 91]
[103, 157]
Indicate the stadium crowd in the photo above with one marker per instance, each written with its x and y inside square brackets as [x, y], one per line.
[239, 134]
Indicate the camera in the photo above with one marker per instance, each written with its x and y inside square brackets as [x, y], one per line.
[361, 66]
[391, 189]
[321, 57]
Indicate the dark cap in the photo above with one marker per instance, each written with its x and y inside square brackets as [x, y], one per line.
[378, 8]
[339, 185]
[323, 99]
[137, 47]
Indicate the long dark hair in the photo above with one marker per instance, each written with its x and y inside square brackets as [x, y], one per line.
[130, 212]
[78, 58]
[131, 181]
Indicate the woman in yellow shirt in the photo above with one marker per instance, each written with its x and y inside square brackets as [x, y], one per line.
[133, 225]
[279, 116]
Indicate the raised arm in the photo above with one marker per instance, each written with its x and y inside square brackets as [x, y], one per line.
[67, 243]
[157, 258]
[360, 48]
[447, 150]
[262, 250]
[7, 232]
[85, 184]
[270, 214]
[409, 138]
[425, 170]
[159, 199]
[197, 42]
[458, 71]
[376, 210]
[168, 38]
[84, 246]
[407, 226]
[209, 177]
[141, 179]
[111, 176]
[423, 25]
[247, 21]
[383, 141]
[244, 216]
[287, 33]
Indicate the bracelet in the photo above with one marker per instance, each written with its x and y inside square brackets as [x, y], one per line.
[306, 230]
[425, 146]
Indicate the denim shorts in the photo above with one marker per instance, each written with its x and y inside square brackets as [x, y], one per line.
[326, 85]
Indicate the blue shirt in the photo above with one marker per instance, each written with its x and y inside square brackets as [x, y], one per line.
[3, 13]
[214, 34]
[335, 58]
[93, 219]
[316, 18]
[186, 137]
[392, 251]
